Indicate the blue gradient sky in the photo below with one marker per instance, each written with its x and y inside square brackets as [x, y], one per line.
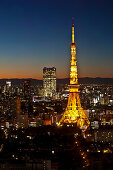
[37, 33]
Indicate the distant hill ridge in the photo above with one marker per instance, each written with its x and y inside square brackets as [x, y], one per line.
[84, 80]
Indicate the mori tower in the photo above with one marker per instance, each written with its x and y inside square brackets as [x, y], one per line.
[74, 113]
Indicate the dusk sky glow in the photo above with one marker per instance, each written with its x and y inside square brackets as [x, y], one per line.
[37, 33]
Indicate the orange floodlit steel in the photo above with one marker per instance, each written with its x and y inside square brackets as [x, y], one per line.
[74, 112]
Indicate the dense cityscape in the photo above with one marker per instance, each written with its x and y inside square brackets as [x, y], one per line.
[43, 125]
[29, 135]
[62, 117]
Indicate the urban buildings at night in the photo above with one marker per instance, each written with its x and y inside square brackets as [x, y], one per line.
[30, 111]
[24, 121]
[49, 121]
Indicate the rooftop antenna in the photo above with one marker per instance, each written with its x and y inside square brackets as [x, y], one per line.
[72, 29]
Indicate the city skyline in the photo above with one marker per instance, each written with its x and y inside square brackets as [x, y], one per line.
[36, 34]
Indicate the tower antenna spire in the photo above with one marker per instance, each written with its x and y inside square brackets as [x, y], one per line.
[72, 29]
[74, 113]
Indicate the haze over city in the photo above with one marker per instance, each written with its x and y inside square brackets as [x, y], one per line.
[35, 34]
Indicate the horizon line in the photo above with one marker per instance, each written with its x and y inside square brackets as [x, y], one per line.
[56, 78]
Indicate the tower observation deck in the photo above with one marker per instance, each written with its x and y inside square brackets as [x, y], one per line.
[74, 113]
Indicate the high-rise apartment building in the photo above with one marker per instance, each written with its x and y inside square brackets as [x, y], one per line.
[49, 81]
[26, 101]
[8, 86]
[26, 89]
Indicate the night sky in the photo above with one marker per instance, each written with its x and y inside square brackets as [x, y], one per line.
[37, 33]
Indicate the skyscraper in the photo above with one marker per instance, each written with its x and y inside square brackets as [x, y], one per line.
[74, 112]
[18, 107]
[49, 82]
[26, 89]
[26, 101]
[8, 86]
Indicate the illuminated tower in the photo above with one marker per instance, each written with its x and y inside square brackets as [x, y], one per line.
[74, 112]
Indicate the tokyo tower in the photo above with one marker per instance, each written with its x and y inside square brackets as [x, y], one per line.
[74, 113]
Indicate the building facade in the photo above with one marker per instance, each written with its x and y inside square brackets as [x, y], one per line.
[49, 82]
[26, 98]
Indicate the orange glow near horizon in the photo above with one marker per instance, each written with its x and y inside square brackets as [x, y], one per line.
[58, 77]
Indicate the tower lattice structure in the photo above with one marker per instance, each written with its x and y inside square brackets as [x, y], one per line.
[74, 112]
